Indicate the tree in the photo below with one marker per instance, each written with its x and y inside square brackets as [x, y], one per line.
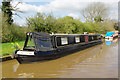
[7, 11]
[116, 26]
[6, 20]
[50, 21]
[65, 25]
[42, 22]
[95, 12]
[10, 31]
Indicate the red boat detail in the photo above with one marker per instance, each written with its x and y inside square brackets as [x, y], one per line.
[86, 38]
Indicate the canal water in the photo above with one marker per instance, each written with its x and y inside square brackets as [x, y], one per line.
[100, 61]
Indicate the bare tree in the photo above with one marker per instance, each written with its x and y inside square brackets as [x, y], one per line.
[95, 12]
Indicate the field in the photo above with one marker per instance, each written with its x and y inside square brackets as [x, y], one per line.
[7, 48]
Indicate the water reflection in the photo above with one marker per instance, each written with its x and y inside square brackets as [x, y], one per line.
[99, 61]
[111, 41]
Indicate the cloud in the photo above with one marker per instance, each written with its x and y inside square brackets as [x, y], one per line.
[19, 21]
[25, 7]
[113, 10]
[55, 6]
[64, 7]
[75, 16]
[60, 5]
[34, 0]
[67, 6]
[68, 0]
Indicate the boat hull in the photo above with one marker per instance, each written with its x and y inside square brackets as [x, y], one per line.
[59, 52]
[108, 37]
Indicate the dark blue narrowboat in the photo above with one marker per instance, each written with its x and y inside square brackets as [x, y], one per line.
[43, 46]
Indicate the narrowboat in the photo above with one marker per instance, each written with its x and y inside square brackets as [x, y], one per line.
[43, 46]
[111, 35]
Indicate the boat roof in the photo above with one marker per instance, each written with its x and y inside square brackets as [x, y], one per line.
[46, 34]
[74, 34]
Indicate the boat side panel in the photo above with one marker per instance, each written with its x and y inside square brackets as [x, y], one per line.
[43, 53]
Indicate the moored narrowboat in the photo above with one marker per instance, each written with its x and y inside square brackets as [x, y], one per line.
[111, 35]
[41, 46]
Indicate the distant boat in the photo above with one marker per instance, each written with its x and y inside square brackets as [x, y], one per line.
[40, 46]
[111, 35]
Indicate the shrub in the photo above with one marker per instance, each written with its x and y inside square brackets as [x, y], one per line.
[13, 33]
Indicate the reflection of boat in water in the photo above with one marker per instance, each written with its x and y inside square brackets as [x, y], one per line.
[111, 41]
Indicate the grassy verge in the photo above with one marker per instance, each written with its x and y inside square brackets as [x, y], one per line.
[8, 49]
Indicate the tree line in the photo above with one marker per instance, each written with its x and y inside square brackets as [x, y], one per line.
[42, 22]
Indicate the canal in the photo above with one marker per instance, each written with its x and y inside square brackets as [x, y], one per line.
[100, 61]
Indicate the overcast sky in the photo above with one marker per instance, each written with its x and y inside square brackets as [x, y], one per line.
[59, 8]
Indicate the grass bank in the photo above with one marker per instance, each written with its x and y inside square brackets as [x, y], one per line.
[8, 49]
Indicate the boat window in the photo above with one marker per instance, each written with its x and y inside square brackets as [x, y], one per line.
[95, 37]
[71, 39]
[62, 41]
[43, 42]
[77, 39]
[58, 39]
[82, 39]
[30, 43]
[90, 38]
